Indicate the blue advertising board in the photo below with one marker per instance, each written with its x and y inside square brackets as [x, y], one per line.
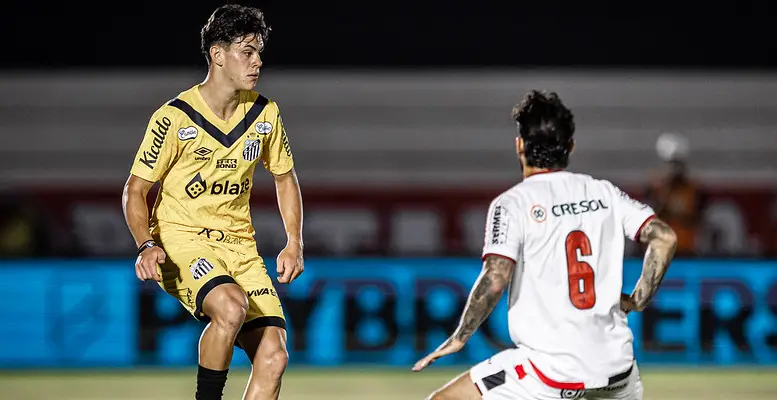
[380, 311]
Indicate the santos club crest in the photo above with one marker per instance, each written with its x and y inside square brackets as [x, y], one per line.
[252, 149]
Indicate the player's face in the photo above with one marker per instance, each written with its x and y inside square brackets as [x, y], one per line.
[242, 62]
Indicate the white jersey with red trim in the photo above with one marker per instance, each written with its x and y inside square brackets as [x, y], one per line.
[566, 233]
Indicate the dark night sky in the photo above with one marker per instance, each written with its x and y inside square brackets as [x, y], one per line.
[406, 34]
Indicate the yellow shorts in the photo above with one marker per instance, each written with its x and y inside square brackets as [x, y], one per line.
[196, 264]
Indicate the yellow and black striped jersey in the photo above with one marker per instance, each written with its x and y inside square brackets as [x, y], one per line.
[205, 164]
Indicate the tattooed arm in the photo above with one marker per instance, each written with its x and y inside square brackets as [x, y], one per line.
[493, 280]
[485, 294]
[661, 241]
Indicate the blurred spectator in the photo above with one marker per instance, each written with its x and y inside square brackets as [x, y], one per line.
[675, 197]
[22, 230]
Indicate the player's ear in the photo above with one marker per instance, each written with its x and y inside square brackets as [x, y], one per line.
[217, 55]
[572, 146]
[519, 146]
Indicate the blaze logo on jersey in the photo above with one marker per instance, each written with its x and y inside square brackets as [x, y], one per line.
[263, 127]
[231, 188]
[252, 149]
[200, 268]
[196, 186]
[151, 155]
[538, 213]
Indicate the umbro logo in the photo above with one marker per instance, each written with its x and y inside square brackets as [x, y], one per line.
[203, 151]
[202, 154]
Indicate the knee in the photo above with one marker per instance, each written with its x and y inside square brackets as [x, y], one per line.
[273, 363]
[232, 315]
[231, 311]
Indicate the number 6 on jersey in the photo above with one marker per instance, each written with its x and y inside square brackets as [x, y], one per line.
[581, 276]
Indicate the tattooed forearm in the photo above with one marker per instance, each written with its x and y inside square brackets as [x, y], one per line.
[661, 242]
[488, 289]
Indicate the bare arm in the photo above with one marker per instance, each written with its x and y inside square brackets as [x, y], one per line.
[135, 207]
[133, 201]
[290, 205]
[492, 282]
[485, 294]
[290, 261]
[661, 241]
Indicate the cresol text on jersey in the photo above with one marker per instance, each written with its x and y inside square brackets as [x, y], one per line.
[579, 207]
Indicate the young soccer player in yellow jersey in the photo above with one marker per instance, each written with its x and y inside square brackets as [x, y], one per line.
[198, 244]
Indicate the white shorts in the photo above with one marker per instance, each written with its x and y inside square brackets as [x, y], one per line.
[509, 375]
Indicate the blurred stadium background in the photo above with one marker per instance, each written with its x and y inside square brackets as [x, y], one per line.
[398, 115]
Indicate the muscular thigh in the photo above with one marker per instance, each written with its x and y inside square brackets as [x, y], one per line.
[192, 269]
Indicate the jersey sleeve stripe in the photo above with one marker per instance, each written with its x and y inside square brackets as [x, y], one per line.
[496, 255]
[639, 231]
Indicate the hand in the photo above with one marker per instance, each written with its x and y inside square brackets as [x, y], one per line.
[290, 263]
[627, 303]
[147, 264]
[449, 347]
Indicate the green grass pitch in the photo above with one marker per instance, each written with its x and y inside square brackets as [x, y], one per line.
[353, 383]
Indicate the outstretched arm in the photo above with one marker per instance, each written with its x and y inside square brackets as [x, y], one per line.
[661, 241]
[485, 294]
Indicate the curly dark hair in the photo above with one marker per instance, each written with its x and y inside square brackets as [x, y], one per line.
[547, 127]
[230, 22]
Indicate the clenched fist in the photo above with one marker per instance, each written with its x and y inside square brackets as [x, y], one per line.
[290, 263]
[147, 264]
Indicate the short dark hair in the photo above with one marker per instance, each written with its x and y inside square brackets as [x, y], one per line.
[230, 22]
[547, 127]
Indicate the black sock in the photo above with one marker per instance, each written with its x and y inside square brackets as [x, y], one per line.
[210, 383]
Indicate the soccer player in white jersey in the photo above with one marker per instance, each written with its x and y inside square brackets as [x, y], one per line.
[557, 240]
